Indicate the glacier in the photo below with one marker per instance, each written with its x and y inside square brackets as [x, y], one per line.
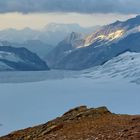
[31, 98]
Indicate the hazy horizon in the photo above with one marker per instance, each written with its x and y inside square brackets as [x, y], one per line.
[40, 20]
[37, 14]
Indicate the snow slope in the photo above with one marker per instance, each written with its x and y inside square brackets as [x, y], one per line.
[10, 56]
[4, 67]
[126, 65]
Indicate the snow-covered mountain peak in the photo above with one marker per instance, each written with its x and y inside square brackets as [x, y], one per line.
[113, 32]
[103, 37]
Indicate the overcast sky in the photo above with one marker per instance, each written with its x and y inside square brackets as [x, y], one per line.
[38, 13]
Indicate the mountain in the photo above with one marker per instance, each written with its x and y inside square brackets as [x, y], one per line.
[83, 123]
[20, 59]
[64, 48]
[51, 34]
[68, 28]
[54, 33]
[35, 46]
[101, 46]
[18, 36]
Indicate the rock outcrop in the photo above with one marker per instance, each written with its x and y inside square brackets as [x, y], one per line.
[82, 123]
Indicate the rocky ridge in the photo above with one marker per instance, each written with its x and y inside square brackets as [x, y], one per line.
[82, 123]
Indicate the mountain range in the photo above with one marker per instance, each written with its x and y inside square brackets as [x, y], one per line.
[77, 52]
[41, 41]
[51, 34]
[25, 49]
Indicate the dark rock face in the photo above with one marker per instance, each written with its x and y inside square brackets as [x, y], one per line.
[21, 59]
[82, 123]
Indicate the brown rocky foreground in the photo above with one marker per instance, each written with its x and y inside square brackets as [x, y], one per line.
[83, 124]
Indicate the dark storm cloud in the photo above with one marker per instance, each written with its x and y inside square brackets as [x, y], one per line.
[79, 6]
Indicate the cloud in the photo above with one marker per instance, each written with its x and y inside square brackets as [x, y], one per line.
[78, 6]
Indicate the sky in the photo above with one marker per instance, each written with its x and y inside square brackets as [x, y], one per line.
[38, 13]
